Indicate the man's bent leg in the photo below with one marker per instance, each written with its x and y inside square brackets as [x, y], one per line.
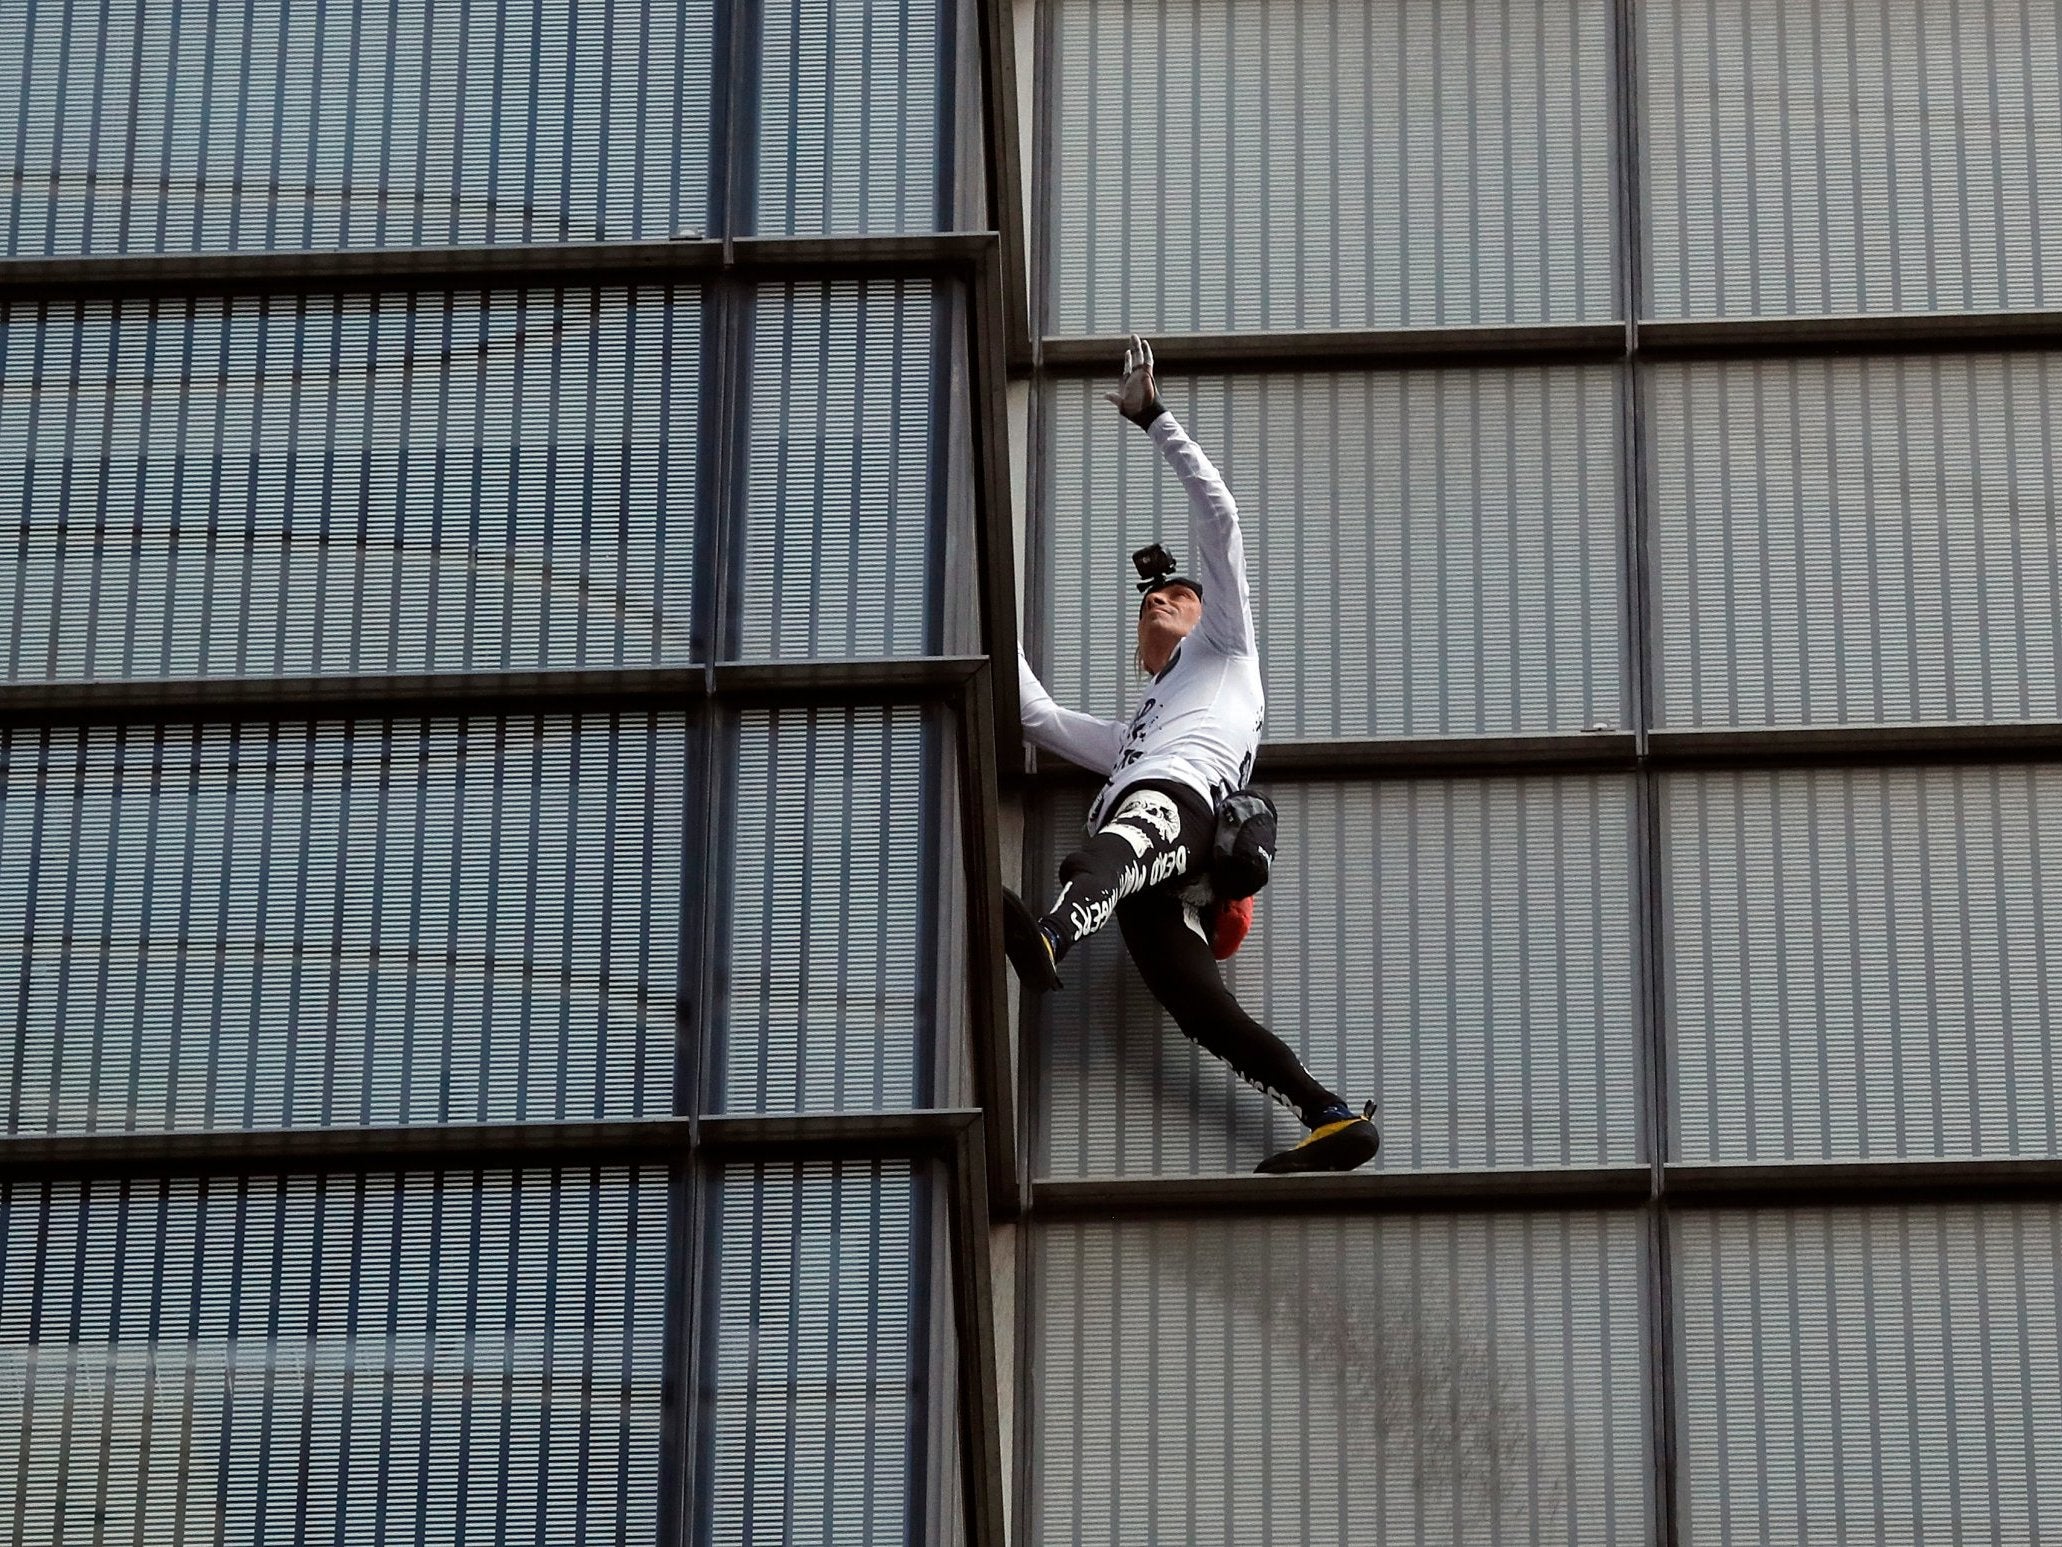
[1151, 837]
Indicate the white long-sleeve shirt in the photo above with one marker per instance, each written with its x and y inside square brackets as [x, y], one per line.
[1199, 724]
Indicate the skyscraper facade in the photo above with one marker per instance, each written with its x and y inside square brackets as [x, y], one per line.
[504, 777]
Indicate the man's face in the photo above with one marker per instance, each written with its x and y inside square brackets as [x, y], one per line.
[1165, 620]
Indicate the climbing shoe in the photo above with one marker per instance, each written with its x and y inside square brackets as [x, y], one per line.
[1339, 1144]
[1028, 946]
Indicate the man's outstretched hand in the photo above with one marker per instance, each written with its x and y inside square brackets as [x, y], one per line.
[1137, 397]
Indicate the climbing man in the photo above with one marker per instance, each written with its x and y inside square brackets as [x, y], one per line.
[1176, 841]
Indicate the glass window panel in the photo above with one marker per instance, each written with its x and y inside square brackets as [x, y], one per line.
[1463, 950]
[1431, 552]
[1228, 165]
[1859, 961]
[1858, 540]
[849, 116]
[214, 126]
[1878, 156]
[844, 500]
[1366, 1381]
[298, 485]
[1870, 1375]
[820, 1371]
[343, 922]
[832, 998]
[469, 1357]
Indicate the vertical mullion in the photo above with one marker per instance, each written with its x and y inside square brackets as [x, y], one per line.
[1649, 879]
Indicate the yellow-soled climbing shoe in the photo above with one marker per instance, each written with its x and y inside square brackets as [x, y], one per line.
[1339, 1146]
[1026, 945]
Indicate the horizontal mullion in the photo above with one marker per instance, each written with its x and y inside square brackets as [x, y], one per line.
[939, 1135]
[1849, 333]
[1809, 745]
[882, 680]
[1350, 1192]
[387, 1148]
[1335, 348]
[1415, 757]
[1582, 751]
[1793, 1183]
[873, 681]
[501, 263]
[926, 1135]
[373, 695]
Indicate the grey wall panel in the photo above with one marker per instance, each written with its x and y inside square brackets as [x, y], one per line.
[1874, 156]
[1885, 1375]
[848, 117]
[346, 922]
[1333, 1381]
[214, 125]
[842, 541]
[472, 1357]
[829, 998]
[1858, 540]
[1859, 962]
[1462, 950]
[1430, 551]
[817, 1371]
[348, 483]
[1232, 165]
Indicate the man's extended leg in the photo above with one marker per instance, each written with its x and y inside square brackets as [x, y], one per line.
[1177, 966]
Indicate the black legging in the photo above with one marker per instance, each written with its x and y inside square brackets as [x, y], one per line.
[1136, 866]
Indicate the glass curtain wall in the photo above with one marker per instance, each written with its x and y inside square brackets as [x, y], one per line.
[1642, 424]
[462, 731]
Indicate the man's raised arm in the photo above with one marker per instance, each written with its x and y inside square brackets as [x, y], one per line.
[1227, 622]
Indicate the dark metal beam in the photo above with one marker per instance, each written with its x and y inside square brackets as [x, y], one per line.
[973, 1307]
[1344, 348]
[371, 695]
[1004, 173]
[1792, 746]
[1357, 1192]
[1412, 757]
[256, 1151]
[930, 679]
[1899, 332]
[925, 1135]
[988, 978]
[883, 680]
[511, 263]
[1589, 751]
[995, 512]
[1550, 343]
[1791, 1184]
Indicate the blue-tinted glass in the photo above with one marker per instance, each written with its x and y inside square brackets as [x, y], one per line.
[830, 996]
[211, 125]
[340, 484]
[841, 526]
[470, 1358]
[339, 923]
[818, 1367]
[848, 117]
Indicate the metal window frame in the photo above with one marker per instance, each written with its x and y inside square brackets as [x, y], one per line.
[953, 1139]
[980, 1155]
[973, 260]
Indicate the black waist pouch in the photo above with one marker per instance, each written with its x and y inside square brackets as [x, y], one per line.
[1243, 855]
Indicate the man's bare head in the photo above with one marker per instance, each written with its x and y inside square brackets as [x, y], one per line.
[1167, 615]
